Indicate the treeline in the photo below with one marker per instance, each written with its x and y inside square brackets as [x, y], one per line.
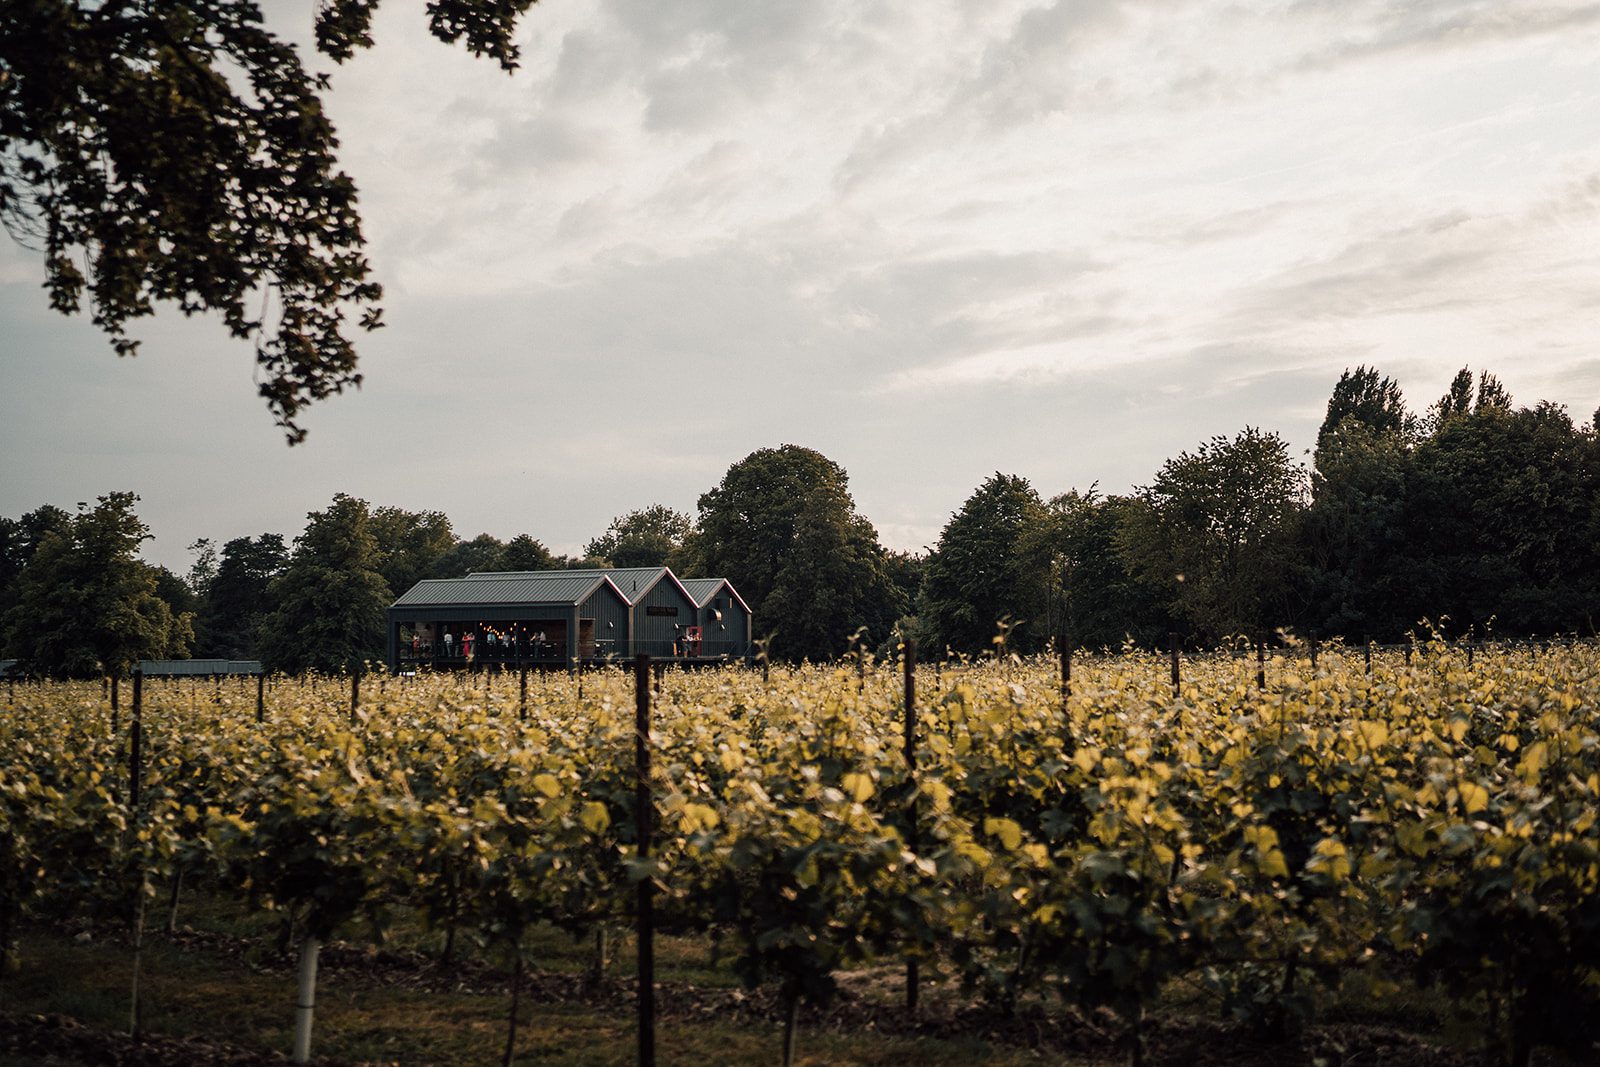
[1474, 514]
[1471, 517]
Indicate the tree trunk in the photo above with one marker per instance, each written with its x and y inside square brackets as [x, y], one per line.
[602, 950]
[516, 996]
[5, 942]
[172, 902]
[1135, 1035]
[791, 1024]
[306, 1001]
[138, 963]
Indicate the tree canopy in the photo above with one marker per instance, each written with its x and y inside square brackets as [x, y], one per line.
[1217, 529]
[86, 604]
[330, 599]
[179, 153]
[649, 537]
[236, 601]
[783, 528]
[975, 577]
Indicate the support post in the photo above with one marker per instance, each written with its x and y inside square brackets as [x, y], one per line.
[912, 977]
[136, 739]
[1172, 639]
[643, 812]
[1261, 663]
[261, 698]
[306, 1002]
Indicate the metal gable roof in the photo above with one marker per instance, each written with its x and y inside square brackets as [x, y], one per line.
[631, 582]
[701, 590]
[531, 587]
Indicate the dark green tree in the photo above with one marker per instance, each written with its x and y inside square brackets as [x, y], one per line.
[1460, 399]
[1081, 587]
[1354, 574]
[977, 576]
[1217, 529]
[525, 552]
[834, 580]
[1501, 522]
[19, 540]
[782, 527]
[86, 603]
[203, 571]
[178, 152]
[175, 590]
[648, 537]
[483, 553]
[238, 599]
[1365, 396]
[330, 600]
[410, 543]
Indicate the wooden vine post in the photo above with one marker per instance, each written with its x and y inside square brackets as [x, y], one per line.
[355, 693]
[1172, 640]
[116, 714]
[522, 692]
[1261, 663]
[1070, 743]
[135, 759]
[911, 778]
[135, 739]
[643, 817]
[261, 698]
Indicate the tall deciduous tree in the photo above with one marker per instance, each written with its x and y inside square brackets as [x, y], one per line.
[178, 152]
[86, 603]
[1369, 398]
[976, 575]
[482, 553]
[330, 600]
[1083, 591]
[238, 598]
[525, 552]
[1356, 536]
[1502, 521]
[782, 527]
[1217, 530]
[19, 540]
[648, 537]
[410, 544]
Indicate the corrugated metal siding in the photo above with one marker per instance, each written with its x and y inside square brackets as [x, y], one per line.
[538, 587]
[199, 666]
[610, 615]
[655, 634]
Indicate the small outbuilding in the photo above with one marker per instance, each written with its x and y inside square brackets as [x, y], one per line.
[537, 617]
[722, 615]
[548, 618]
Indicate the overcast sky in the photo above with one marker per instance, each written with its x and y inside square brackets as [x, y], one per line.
[932, 239]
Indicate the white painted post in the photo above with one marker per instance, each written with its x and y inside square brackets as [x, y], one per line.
[306, 1001]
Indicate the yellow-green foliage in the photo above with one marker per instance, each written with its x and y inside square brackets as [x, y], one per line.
[1436, 819]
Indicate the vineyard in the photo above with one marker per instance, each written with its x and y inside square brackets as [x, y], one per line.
[1263, 833]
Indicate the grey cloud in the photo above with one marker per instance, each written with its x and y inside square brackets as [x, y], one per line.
[708, 180]
[1386, 29]
[1401, 269]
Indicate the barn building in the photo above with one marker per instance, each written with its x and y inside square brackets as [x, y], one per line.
[558, 618]
[722, 613]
